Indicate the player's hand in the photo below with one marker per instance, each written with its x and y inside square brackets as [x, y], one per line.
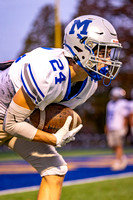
[63, 135]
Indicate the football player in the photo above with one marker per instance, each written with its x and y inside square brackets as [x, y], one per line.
[117, 113]
[68, 76]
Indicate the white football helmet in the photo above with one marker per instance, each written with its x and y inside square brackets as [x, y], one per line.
[117, 92]
[88, 33]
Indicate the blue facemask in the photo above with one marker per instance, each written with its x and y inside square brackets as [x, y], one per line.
[96, 77]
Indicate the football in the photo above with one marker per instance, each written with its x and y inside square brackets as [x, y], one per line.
[54, 117]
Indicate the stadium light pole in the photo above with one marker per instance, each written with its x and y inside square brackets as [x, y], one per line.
[58, 35]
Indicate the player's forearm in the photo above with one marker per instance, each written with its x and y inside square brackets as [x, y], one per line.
[42, 136]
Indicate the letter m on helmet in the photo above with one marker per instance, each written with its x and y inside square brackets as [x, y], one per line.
[77, 24]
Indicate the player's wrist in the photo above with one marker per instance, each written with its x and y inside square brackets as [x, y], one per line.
[57, 143]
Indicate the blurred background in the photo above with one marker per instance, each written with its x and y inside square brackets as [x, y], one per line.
[25, 25]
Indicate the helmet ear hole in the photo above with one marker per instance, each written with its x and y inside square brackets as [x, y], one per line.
[78, 49]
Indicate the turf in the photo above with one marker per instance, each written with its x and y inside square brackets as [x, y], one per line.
[107, 190]
[10, 155]
[118, 189]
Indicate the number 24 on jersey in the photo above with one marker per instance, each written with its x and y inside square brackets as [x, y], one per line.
[57, 65]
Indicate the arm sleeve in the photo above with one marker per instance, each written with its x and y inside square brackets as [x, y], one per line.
[15, 124]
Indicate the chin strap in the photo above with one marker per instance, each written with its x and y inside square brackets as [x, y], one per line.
[108, 83]
[97, 77]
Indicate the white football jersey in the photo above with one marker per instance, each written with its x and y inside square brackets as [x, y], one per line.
[45, 76]
[115, 113]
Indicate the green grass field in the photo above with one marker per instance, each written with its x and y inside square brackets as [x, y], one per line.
[118, 189]
[10, 155]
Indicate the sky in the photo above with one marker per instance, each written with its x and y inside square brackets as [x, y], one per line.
[16, 19]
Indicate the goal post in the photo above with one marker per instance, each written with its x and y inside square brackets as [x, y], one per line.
[58, 33]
